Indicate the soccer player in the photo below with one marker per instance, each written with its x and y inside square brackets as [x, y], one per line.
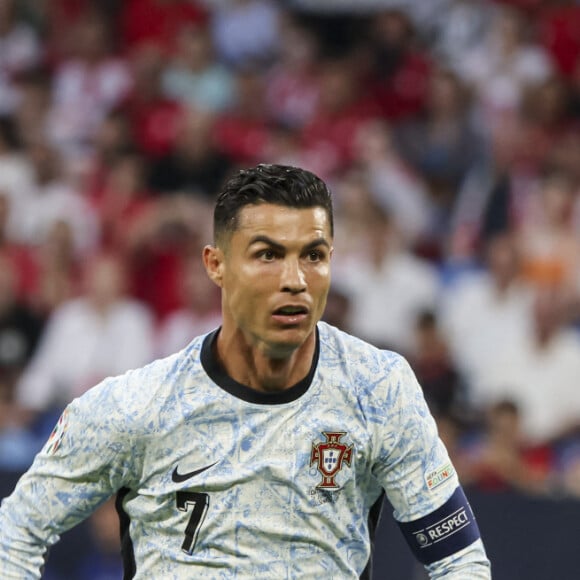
[263, 448]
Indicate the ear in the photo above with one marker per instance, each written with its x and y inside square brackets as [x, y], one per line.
[213, 260]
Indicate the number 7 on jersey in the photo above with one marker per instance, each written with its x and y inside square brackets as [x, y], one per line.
[199, 502]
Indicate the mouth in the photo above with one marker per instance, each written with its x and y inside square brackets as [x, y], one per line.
[290, 314]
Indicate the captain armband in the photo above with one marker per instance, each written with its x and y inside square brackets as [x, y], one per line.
[443, 532]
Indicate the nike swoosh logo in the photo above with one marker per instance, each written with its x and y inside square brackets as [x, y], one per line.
[180, 477]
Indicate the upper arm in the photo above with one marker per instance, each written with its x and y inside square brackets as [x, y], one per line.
[420, 481]
[411, 461]
[85, 461]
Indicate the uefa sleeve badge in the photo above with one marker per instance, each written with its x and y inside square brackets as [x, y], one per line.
[57, 434]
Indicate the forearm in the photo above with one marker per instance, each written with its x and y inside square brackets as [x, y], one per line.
[471, 562]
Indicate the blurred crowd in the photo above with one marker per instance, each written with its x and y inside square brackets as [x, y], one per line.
[449, 132]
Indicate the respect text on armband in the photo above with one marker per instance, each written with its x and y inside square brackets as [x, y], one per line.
[446, 530]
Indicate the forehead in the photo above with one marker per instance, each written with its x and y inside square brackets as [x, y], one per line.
[280, 222]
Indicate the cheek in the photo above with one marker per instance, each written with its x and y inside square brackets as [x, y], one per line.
[319, 281]
[248, 286]
[258, 278]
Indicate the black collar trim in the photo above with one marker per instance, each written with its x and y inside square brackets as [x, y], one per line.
[217, 373]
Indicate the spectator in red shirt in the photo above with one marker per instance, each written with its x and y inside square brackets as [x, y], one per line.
[156, 21]
[122, 199]
[195, 166]
[243, 131]
[400, 72]
[558, 29]
[342, 108]
[154, 118]
[503, 460]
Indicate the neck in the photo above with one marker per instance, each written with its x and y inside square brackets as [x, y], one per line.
[252, 365]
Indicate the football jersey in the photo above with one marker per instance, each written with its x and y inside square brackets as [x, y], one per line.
[216, 480]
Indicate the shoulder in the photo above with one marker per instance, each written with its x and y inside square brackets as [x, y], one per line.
[380, 383]
[340, 343]
[366, 365]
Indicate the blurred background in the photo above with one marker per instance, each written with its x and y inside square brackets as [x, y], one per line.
[449, 132]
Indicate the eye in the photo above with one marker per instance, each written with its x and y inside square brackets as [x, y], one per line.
[267, 255]
[315, 255]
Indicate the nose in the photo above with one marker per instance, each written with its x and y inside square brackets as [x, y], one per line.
[293, 279]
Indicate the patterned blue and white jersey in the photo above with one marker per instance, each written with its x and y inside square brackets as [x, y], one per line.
[217, 480]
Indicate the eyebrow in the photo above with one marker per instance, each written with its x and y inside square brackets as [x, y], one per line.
[280, 247]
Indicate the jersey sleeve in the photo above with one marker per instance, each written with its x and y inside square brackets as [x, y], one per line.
[414, 468]
[84, 461]
[470, 562]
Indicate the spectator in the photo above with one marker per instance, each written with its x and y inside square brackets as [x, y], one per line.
[50, 199]
[343, 107]
[441, 143]
[20, 52]
[199, 312]
[493, 194]
[495, 300]
[502, 459]
[401, 70]
[20, 257]
[539, 372]
[18, 442]
[194, 77]
[544, 113]
[122, 200]
[58, 21]
[195, 166]
[388, 285]
[394, 182]
[20, 330]
[565, 153]
[246, 32]
[57, 268]
[549, 238]
[16, 176]
[352, 199]
[156, 22]
[557, 24]
[242, 132]
[499, 70]
[284, 146]
[459, 28]
[31, 114]
[160, 246]
[153, 117]
[434, 366]
[87, 85]
[337, 308]
[113, 139]
[100, 333]
[292, 88]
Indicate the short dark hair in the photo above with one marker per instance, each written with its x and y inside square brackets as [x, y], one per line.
[269, 183]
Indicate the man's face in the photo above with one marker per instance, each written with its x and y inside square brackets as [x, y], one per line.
[275, 275]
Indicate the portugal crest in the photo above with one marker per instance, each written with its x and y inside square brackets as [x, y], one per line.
[329, 458]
